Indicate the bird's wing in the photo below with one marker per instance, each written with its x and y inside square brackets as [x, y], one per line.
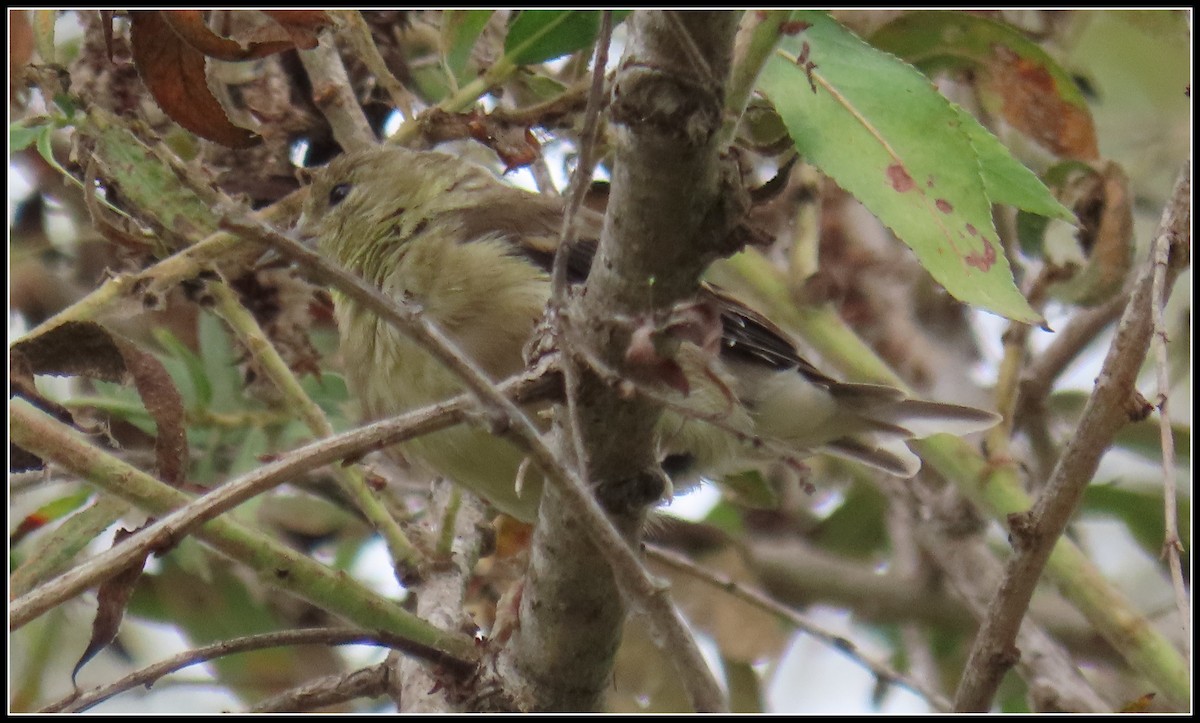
[745, 334]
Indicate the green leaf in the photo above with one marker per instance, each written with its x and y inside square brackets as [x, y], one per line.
[856, 528]
[1141, 509]
[460, 30]
[23, 134]
[536, 36]
[1032, 227]
[725, 516]
[250, 448]
[880, 129]
[220, 367]
[193, 368]
[1006, 180]
[751, 490]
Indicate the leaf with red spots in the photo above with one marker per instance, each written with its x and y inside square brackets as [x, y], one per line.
[880, 129]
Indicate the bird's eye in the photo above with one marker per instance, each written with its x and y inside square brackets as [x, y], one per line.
[338, 193]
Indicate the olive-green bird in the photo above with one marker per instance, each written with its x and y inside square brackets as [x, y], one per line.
[474, 253]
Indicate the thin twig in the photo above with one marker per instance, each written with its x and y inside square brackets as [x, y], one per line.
[690, 48]
[1042, 372]
[1035, 532]
[329, 690]
[177, 524]
[356, 30]
[1069, 342]
[405, 556]
[881, 669]
[1007, 387]
[310, 636]
[902, 519]
[335, 97]
[580, 182]
[1051, 673]
[1172, 546]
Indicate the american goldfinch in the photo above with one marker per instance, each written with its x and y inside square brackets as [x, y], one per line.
[474, 253]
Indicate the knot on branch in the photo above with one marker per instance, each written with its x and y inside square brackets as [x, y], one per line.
[655, 100]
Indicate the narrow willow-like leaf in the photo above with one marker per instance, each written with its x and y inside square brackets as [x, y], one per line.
[536, 36]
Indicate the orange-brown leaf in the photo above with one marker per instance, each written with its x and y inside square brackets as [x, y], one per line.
[173, 71]
[189, 25]
[1033, 105]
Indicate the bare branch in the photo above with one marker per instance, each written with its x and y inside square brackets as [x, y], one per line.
[441, 592]
[1035, 532]
[314, 636]
[329, 690]
[335, 97]
[1164, 245]
[665, 205]
[879, 668]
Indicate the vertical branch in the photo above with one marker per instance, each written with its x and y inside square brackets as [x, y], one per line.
[667, 218]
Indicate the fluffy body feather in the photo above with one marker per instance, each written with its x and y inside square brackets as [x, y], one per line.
[474, 253]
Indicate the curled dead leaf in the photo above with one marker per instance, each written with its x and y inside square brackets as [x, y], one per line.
[111, 600]
[89, 350]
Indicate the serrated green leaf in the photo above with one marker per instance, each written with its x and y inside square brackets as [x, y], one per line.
[460, 30]
[536, 36]
[880, 129]
[1032, 227]
[1008, 181]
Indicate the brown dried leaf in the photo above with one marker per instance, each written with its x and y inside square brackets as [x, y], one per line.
[112, 598]
[89, 350]
[190, 26]
[173, 71]
[1032, 104]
